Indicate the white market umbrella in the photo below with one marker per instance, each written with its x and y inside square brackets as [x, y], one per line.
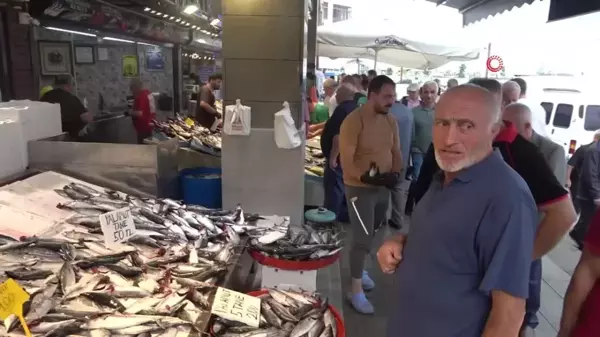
[378, 41]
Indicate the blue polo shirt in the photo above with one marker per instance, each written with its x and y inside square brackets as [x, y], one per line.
[333, 124]
[467, 238]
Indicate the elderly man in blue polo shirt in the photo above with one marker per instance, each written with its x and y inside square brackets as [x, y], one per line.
[463, 270]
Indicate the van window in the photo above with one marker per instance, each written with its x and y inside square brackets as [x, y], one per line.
[563, 115]
[592, 118]
[548, 107]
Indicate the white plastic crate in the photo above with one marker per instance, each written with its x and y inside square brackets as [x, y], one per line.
[13, 159]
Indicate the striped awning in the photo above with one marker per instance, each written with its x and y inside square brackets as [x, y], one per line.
[476, 10]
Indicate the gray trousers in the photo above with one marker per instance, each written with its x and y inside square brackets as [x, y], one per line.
[399, 194]
[371, 204]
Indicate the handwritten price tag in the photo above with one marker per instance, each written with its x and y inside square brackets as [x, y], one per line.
[189, 122]
[12, 297]
[117, 226]
[236, 306]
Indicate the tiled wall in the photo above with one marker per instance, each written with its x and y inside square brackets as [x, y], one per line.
[105, 77]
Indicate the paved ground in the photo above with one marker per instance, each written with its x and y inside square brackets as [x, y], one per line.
[558, 267]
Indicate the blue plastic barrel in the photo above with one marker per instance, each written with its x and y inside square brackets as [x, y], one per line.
[202, 186]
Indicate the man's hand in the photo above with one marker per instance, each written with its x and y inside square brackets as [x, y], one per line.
[389, 255]
[333, 163]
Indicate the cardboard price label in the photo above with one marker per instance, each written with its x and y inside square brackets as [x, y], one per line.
[117, 226]
[236, 306]
[12, 297]
[189, 122]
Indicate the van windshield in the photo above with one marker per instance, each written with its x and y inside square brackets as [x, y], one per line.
[562, 116]
[592, 118]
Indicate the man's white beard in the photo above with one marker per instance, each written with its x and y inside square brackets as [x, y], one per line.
[455, 167]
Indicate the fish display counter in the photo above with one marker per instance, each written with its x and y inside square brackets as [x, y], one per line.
[87, 273]
[138, 169]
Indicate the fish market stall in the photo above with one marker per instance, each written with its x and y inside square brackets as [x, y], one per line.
[87, 272]
[149, 170]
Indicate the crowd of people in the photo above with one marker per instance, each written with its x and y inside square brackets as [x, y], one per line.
[487, 195]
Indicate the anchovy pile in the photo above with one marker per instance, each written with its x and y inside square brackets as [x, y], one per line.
[284, 314]
[301, 243]
[157, 284]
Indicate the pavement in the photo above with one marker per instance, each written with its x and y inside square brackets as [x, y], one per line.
[558, 267]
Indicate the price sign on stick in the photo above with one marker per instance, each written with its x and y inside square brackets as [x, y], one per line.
[236, 306]
[189, 122]
[117, 226]
[12, 297]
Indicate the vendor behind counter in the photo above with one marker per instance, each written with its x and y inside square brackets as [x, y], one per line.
[74, 116]
[143, 111]
[206, 110]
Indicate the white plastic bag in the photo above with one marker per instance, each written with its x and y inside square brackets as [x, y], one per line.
[237, 119]
[286, 134]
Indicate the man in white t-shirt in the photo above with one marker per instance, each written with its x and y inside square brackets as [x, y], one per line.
[538, 114]
[329, 87]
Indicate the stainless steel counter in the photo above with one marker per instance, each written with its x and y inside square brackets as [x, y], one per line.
[149, 170]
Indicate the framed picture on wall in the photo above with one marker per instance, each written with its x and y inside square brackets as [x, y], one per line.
[155, 60]
[130, 66]
[55, 57]
[102, 54]
[84, 55]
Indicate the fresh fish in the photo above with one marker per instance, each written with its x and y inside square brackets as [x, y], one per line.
[84, 220]
[42, 303]
[270, 315]
[83, 189]
[271, 237]
[67, 277]
[330, 322]
[105, 300]
[28, 273]
[45, 327]
[281, 311]
[303, 327]
[100, 333]
[327, 332]
[114, 322]
[74, 194]
[142, 304]
[316, 329]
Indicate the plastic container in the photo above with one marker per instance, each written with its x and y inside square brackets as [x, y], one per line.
[341, 329]
[292, 265]
[202, 186]
[339, 321]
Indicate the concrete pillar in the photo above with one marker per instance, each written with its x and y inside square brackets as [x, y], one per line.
[311, 38]
[263, 45]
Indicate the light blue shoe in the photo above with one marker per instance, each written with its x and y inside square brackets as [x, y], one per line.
[367, 283]
[361, 304]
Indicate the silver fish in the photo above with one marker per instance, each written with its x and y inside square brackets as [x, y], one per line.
[44, 327]
[303, 327]
[67, 277]
[330, 322]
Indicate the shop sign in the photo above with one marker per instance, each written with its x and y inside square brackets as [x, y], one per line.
[494, 63]
[117, 226]
[130, 66]
[389, 41]
[235, 306]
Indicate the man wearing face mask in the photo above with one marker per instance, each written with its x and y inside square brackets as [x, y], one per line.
[371, 162]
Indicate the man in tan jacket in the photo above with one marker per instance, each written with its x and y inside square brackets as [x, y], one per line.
[371, 162]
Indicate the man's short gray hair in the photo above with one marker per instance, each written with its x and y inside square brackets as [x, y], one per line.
[490, 100]
[520, 106]
[431, 84]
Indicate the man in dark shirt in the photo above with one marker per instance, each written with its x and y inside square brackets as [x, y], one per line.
[74, 116]
[588, 193]
[550, 196]
[333, 183]
[574, 170]
[206, 112]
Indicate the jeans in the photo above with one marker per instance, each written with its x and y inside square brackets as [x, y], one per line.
[335, 198]
[532, 306]
[417, 162]
[371, 207]
[399, 196]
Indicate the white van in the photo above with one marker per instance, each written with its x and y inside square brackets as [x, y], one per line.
[572, 118]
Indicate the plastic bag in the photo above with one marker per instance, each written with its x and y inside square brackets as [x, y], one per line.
[286, 134]
[237, 119]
